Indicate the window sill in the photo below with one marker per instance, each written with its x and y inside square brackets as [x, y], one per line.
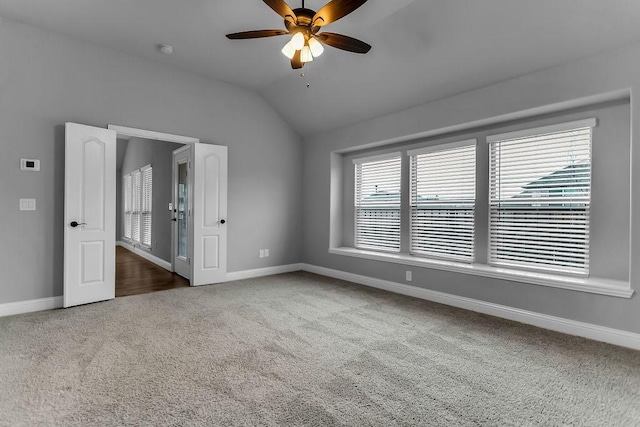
[616, 288]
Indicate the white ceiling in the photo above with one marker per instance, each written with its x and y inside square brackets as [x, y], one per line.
[423, 50]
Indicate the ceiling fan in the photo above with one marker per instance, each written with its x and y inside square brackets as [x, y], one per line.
[305, 25]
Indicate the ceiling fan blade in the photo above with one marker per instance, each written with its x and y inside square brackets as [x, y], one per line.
[256, 34]
[343, 42]
[335, 10]
[282, 9]
[296, 63]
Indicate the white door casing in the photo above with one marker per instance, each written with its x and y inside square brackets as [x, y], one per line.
[90, 200]
[209, 215]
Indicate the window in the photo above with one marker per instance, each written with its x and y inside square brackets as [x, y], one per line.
[135, 207]
[443, 196]
[127, 205]
[377, 202]
[138, 202]
[540, 193]
[147, 187]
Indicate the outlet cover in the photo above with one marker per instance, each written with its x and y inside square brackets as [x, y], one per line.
[408, 275]
[266, 253]
[261, 253]
[27, 204]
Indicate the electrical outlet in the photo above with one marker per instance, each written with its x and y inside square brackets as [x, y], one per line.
[261, 253]
[408, 276]
[27, 204]
[266, 253]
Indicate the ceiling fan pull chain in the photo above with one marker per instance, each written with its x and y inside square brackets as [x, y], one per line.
[303, 74]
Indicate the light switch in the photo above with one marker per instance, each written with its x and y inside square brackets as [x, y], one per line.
[29, 164]
[27, 204]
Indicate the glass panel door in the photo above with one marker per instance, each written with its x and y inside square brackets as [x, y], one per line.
[181, 215]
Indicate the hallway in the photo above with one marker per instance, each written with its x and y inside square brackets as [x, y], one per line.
[135, 275]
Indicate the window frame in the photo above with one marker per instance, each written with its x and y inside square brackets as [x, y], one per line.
[533, 132]
[143, 210]
[441, 148]
[342, 231]
[136, 206]
[372, 159]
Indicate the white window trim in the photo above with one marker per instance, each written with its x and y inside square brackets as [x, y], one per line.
[594, 285]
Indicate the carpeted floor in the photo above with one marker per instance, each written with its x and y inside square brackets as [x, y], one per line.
[301, 349]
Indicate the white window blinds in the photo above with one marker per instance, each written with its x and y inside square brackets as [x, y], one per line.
[443, 195]
[540, 191]
[135, 206]
[377, 202]
[127, 205]
[147, 190]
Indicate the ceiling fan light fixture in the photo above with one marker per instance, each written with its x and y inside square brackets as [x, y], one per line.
[305, 55]
[316, 47]
[288, 50]
[303, 26]
[297, 41]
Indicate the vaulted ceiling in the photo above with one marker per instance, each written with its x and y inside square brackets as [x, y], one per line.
[423, 50]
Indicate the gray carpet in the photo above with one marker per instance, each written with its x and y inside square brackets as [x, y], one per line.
[300, 349]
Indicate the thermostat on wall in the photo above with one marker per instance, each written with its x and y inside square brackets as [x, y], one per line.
[29, 164]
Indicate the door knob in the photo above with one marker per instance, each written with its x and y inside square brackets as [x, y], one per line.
[222, 221]
[74, 224]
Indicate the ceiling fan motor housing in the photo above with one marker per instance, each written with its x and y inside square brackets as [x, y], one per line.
[304, 17]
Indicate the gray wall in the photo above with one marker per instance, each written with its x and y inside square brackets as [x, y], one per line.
[560, 88]
[141, 152]
[47, 79]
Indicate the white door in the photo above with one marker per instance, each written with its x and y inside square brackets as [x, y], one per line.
[181, 211]
[209, 215]
[89, 214]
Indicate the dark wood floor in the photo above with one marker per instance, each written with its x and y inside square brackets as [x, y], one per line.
[135, 275]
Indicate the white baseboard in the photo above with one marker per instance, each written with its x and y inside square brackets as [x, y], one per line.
[20, 307]
[259, 272]
[559, 324]
[146, 255]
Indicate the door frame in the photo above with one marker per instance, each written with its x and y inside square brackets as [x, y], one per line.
[124, 132]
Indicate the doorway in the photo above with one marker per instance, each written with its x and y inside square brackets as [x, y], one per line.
[145, 217]
[90, 207]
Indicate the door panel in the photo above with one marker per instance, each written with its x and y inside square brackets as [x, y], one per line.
[209, 214]
[90, 195]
